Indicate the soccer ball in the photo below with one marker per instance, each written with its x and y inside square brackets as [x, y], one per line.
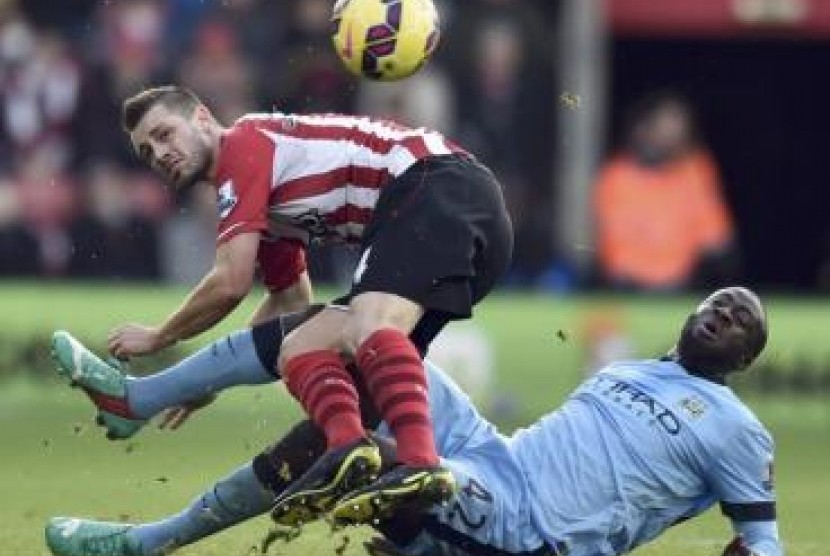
[384, 40]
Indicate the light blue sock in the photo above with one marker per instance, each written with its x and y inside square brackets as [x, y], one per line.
[237, 497]
[230, 361]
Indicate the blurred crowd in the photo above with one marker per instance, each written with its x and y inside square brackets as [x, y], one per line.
[662, 222]
[75, 202]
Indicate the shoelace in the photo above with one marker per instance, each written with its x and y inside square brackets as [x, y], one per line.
[110, 545]
[122, 365]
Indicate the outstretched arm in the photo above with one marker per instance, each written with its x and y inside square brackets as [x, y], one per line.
[743, 479]
[219, 292]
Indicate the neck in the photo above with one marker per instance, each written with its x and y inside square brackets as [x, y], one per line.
[716, 378]
[215, 133]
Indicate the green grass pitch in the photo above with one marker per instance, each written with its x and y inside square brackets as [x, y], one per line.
[56, 462]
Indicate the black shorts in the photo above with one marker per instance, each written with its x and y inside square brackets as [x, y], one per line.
[440, 236]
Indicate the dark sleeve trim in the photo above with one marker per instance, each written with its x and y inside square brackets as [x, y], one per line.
[754, 511]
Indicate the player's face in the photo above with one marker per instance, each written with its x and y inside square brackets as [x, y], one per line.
[174, 144]
[670, 128]
[664, 134]
[723, 334]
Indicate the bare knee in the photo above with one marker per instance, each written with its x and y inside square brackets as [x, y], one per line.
[292, 345]
[373, 311]
[322, 332]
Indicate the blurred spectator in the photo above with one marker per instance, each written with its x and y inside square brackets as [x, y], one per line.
[309, 77]
[66, 67]
[661, 220]
[217, 72]
[183, 19]
[11, 237]
[425, 99]
[39, 85]
[71, 18]
[17, 42]
[125, 54]
[260, 29]
[113, 239]
[36, 240]
[500, 54]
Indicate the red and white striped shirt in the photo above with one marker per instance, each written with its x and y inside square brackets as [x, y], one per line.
[306, 179]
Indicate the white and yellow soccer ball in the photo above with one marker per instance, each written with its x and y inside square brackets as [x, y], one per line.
[385, 40]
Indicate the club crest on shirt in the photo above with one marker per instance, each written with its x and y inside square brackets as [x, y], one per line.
[226, 199]
[314, 223]
[693, 406]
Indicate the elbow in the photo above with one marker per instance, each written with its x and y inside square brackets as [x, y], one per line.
[233, 288]
[233, 296]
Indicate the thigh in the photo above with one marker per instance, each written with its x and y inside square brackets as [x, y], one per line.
[372, 311]
[322, 331]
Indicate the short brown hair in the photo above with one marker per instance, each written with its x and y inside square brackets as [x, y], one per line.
[172, 97]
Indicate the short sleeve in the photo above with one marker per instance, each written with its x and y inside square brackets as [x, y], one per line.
[244, 177]
[743, 476]
[282, 262]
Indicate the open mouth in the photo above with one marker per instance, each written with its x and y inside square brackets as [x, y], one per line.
[708, 330]
[171, 168]
[174, 172]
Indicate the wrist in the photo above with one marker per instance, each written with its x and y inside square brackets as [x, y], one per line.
[165, 339]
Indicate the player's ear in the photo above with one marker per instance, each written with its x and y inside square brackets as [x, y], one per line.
[746, 359]
[202, 116]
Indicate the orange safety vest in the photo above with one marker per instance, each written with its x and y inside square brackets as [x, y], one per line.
[653, 223]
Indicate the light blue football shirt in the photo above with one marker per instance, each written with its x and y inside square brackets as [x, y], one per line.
[492, 507]
[638, 447]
